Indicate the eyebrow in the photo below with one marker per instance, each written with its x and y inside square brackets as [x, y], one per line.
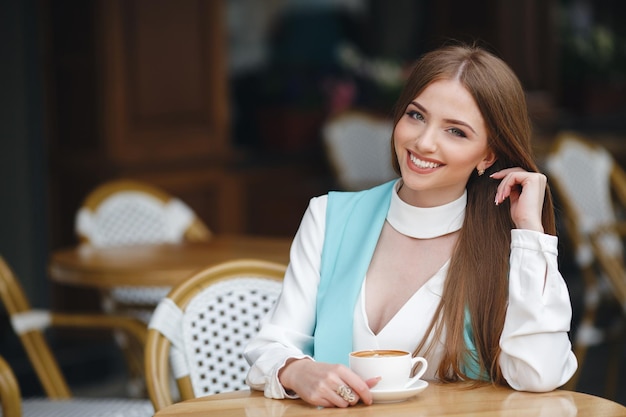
[453, 121]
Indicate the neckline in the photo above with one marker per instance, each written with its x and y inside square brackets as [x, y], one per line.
[433, 285]
[425, 222]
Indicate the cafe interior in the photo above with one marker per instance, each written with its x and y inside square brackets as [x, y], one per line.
[241, 111]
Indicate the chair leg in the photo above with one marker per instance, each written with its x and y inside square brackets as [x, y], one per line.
[616, 345]
[132, 351]
[133, 355]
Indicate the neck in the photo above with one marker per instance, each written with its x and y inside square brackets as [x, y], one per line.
[426, 222]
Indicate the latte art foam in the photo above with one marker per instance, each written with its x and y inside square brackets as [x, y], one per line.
[379, 353]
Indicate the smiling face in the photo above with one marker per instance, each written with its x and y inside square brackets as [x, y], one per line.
[439, 141]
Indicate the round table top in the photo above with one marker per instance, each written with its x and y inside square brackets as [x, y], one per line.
[157, 265]
[439, 400]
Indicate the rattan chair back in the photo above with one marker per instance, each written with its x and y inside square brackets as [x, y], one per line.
[201, 328]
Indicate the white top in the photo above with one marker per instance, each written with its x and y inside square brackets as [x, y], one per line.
[536, 351]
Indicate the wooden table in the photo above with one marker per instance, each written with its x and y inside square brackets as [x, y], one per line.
[437, 400]
[157, 265]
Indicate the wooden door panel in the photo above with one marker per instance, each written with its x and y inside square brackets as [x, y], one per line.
[164, 90]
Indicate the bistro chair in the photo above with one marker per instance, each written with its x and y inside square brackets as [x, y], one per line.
[127, 212]
[591, 189]
[10, 399]
[358, 146]
[201, 328]
[29, 325]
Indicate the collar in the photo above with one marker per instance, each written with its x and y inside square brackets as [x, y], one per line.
[425, 223]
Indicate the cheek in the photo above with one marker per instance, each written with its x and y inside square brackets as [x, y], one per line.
[401, 134]
[469, 161]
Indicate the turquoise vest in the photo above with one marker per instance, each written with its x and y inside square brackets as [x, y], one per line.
[346, 255]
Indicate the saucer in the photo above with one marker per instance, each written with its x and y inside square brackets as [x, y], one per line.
[395, 396]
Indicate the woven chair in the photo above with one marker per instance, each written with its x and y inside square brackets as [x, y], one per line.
[591, 188]
[127, 212]
[202, 327]
[10, 399]
[358, 146]
[29, 325]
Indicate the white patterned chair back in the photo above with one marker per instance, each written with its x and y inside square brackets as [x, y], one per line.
[590, 186]
[124, 213]
[208, 320]
[218, 324]
[583, 173]
[358, 146]
[132, 218]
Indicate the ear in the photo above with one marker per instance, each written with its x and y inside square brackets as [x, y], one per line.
[489, 159]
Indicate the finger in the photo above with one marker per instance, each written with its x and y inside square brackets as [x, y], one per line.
[371, 383]
[510, 184]
[506, 171]
[531, 181]
[346, 395]
[501, 191]
[361, 388]
[504, 189]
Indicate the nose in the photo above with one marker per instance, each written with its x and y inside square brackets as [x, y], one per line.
[426, 140]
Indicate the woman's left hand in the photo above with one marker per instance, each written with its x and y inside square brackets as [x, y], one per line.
[526, 191]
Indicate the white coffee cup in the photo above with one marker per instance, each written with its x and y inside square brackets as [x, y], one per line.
[393, 366]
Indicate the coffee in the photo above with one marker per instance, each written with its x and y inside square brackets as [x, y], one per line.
[378, 353]
[393, 367]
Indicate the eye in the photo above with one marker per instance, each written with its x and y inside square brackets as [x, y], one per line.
[457, 132]
[413, 114]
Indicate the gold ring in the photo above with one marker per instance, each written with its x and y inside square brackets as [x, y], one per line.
[346, 393]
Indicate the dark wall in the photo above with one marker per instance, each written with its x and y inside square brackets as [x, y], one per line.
[23, 212]
[23, 209]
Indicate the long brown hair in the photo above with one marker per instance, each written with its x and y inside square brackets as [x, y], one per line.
[477, 280]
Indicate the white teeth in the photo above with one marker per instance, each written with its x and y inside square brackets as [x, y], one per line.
[423, 164]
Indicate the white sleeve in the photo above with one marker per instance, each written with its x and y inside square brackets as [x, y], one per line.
[536, 351]
[287, 331]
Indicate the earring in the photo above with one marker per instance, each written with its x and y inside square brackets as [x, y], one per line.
[480, 172]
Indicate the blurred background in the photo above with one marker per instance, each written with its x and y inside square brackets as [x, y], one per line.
[222, 103]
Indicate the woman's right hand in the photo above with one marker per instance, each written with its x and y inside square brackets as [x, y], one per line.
[317, 382]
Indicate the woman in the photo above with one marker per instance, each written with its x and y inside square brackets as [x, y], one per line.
[455, 261]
